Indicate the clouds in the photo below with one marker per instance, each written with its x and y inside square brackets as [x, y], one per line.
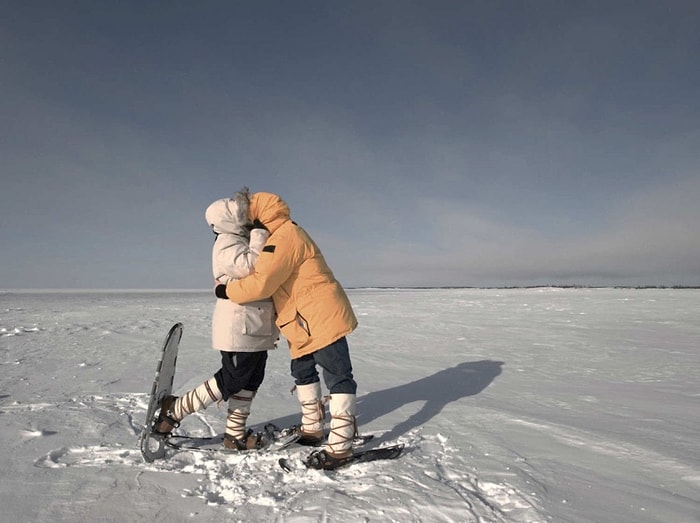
[451, 144]
[649, 241]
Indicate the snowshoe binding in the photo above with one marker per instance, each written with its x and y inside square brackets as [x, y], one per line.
[165, 423]
[324, 460]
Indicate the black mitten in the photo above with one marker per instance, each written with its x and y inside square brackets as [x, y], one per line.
[257, 224]
[220, 291]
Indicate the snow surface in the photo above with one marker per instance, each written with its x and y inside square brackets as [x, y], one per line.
[572, 405]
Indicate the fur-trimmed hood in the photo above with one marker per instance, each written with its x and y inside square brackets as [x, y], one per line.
[230, 215]
[270, 209]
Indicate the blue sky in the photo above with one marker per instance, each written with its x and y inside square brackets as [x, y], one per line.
[420, 143]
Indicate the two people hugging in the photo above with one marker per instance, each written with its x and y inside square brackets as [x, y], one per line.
[271, 278]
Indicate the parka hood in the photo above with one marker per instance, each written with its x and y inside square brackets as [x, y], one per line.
[230, 215]
[269, 208]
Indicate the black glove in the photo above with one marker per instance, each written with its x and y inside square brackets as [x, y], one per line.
[257, 224]
[220, 291]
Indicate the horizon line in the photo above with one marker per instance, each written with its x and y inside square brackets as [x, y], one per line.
[58, 290]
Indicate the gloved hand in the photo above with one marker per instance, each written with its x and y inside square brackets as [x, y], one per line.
[220, 291]
[257, 224]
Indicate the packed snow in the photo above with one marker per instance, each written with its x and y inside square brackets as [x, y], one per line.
[517, 405]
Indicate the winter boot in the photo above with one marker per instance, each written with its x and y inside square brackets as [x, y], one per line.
[237, 437]
[313, 415]
[338, 450]
[173, 409]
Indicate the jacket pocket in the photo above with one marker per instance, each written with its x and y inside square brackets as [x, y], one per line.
[295, 329]
[259, 319]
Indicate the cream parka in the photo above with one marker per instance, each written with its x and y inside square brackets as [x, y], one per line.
[238, 328]
[312, 308]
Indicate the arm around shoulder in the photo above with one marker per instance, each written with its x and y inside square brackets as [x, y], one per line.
[258, 237]
[273, 267]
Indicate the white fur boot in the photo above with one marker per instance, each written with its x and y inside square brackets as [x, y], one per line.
[343, 427]
[173, 409]
[196, 399]
[313, 415]
[237, 437]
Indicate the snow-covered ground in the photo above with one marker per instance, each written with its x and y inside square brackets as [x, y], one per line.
[564, 405]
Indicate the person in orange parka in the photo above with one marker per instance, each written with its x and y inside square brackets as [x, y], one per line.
[315, 316]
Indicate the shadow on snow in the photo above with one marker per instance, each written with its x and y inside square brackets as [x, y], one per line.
[436, 391]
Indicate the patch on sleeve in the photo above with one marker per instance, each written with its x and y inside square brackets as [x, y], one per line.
[269, 248]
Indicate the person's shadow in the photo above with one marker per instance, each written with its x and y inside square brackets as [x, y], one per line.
[436, 391]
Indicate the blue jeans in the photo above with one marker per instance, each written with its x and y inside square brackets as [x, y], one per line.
[335, 362]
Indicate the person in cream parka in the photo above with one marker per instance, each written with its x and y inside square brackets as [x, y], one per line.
[242, 333]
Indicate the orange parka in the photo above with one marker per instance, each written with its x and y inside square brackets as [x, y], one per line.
[312, 308]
